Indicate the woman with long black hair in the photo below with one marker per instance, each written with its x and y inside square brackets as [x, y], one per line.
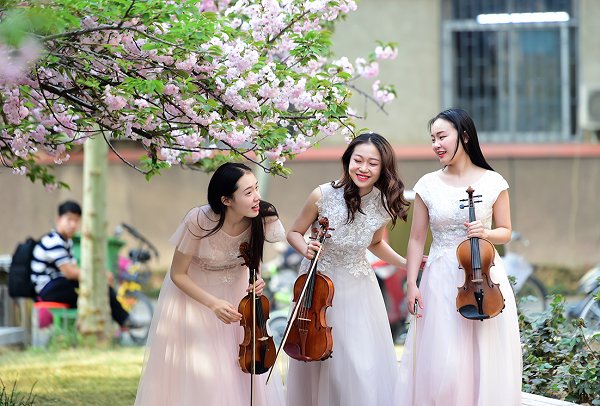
[449, 359]
[192, 355]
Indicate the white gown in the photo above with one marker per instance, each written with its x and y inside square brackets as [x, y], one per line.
[192, 356]
[459, 362]
[363, 368]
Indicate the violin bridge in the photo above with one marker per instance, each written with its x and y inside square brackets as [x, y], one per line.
[300, 318]
[476, 280]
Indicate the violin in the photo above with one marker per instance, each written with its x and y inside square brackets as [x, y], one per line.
[310, 338]
[479, 298]
[257, 350]
[307, 336]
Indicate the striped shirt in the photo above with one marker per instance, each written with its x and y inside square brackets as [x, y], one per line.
[51, 252]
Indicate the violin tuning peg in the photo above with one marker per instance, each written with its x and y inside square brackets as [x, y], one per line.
[477, 201]
[463, 200]
[462, 206]
[477, 196]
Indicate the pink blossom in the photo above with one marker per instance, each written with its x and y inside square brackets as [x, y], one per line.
[366, 70]
[188, 64]
[113, 103]
[17, 62]
[21, 170]
[141, 103]
[51, 187]
[382, 95]
[387, 52]
[170, 156]
[274, 154]
[297, 145]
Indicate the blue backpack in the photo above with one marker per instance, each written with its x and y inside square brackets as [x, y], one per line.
[19, 273]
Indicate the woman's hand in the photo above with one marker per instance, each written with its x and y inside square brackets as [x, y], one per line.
[476, 229]
[311, 249]
[225, 311]
[259, 286]
[414, 294]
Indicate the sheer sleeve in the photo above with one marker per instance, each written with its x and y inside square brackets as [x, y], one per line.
[421, 188]
[274, 230]
[498, 185]
[187, 238]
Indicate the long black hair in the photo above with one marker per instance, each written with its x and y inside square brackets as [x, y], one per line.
[467, 134]
[389, 183]
[224, 183]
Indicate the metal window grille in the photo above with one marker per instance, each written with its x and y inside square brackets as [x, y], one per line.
[513, 66]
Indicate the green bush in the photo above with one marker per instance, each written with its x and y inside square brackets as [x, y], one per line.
[559, 360]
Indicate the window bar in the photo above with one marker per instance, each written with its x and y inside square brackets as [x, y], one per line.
[565, 82]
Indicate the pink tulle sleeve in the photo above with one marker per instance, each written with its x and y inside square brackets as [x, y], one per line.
[274, 230]
[187, 236]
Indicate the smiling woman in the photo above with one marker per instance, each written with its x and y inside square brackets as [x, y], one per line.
[195, 336]
[358, 206]
[491, 345]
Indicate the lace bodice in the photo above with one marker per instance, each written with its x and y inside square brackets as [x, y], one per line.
[446, 218]
[346, 249]
[218, 252]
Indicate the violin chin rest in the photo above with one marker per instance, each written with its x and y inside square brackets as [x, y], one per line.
[470, 312]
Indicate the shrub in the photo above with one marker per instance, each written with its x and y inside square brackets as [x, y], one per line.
[559, 359]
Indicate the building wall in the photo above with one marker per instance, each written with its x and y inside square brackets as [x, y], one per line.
[415, 73]
[553, 202]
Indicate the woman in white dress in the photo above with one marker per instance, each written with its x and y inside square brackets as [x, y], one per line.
[362, 370]
[450, 360]
[192, 354]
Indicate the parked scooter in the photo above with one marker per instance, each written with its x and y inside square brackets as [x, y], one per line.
[588, 308]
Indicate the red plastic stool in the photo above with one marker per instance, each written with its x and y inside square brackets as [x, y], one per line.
[42, 320]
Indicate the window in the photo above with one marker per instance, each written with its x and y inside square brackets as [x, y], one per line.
[512, 65]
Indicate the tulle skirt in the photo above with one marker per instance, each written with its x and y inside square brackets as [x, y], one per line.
[362, 370]
[192, 357]
[451, 361]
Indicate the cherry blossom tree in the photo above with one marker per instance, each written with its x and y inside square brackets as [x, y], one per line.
[195, 82]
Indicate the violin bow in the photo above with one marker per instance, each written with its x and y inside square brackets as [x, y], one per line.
[253, 336]
[296, 309]
[415, 319]
[252, 271]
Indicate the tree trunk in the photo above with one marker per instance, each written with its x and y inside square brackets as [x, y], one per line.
[94, 315]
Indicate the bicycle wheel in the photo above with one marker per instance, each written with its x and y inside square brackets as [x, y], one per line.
[141, 312]
[591, 314]
[531, 298]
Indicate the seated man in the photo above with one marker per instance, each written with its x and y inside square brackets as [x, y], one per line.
[54, 270]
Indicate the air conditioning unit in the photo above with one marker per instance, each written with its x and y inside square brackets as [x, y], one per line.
[589, 107]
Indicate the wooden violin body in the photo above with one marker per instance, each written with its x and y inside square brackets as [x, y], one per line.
[479, 298]
[257, 350]
[264, 347]
[310, 338]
